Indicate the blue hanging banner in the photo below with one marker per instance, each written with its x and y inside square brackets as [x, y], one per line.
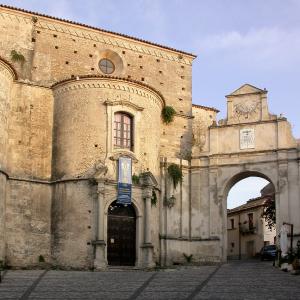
[124, 181]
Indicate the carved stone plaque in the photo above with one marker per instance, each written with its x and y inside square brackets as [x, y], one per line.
[247, 138]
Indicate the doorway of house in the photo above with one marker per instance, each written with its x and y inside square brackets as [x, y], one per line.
[121, 235]
[250, 249]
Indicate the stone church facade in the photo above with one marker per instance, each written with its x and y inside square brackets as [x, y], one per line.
[74, 100]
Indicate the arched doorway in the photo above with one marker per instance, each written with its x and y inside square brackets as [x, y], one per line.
[248, 230]
[121, 235]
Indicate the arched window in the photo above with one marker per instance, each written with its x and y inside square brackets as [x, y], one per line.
[123, 137]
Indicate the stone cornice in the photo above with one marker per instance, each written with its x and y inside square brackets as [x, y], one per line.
[216, 166]
[190, 239]
[247, 123]
[246, 94]
[124, 103]
[79, 30]
[181, 115]
[109, 82]
[205, 107]
[121, 153]
[247, 153]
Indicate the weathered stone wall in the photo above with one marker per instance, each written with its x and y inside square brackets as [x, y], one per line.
[30, 132]
[16, 34]
[201, 251]
[72, 224]
[228, 161]
[28, 221]
[269, 135]
[2, 215]
[55, 50]
[84, 112]
[6, 81]
[204, 117]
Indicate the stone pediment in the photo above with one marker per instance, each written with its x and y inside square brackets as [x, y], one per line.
[247, 89]
[148, 179]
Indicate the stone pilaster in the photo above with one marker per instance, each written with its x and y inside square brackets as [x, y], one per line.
[100, 261]
[148, 182]
[283, 188]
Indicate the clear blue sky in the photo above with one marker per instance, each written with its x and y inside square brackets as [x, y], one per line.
[237, 42]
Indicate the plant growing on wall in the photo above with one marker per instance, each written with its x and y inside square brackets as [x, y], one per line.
[167, 114]
[169, 202]
[135, 179]
[34, 19]
[153, 198]
[17, 56]
[175, 173]
[188, 258]
[269, 213]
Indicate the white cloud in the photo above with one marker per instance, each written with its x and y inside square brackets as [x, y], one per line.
[269, 47]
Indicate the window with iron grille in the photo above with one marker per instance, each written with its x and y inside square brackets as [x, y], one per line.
[123, 131]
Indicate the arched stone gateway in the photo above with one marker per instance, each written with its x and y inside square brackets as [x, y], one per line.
[250, 142]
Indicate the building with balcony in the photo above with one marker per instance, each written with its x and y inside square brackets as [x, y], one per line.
[247, 230]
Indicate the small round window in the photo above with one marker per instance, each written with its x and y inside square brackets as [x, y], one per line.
[106, 66]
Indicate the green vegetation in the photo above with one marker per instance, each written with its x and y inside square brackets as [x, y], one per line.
[175, 173]
[34, 19]
[17, 56]
[153, 198]
[135, 179]
[188, 258]
[41, 259]
[269, 213]
[167, 114]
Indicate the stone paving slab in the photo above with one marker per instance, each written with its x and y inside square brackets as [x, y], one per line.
[163, 295]
[16, 283]
[246, 280]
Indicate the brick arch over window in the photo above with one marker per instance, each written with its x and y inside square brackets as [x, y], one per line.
[123, 131]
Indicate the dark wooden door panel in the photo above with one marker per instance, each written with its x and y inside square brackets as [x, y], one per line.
[121, 236]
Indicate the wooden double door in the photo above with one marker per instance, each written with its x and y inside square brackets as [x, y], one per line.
[121, 235]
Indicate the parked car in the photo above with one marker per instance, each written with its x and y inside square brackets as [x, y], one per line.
[268, 252]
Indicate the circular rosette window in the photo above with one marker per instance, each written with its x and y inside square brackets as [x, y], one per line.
[110, 63]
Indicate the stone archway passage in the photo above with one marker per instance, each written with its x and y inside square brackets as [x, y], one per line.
[249, 142]
[121, 235]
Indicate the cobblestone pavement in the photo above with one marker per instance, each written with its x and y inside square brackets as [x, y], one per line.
[236, 280]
